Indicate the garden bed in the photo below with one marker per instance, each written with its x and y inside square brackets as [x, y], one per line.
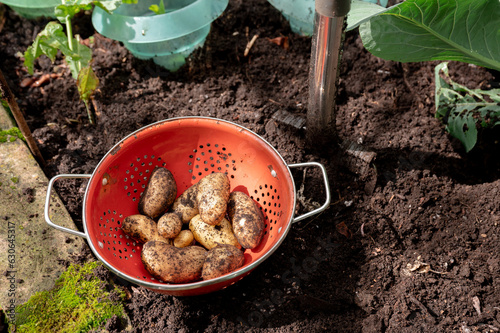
[411, 245]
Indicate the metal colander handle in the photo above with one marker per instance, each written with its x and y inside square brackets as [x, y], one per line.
[327, 190]
[81, 234]
[47, 204]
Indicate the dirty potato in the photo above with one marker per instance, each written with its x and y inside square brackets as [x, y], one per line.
[172, 264]
[221, 260]
[246, 218]
[159, 194]
[141, 228]
[211, 235]
[169, 225]
[212, 197]
[185, 205]
[184, 238]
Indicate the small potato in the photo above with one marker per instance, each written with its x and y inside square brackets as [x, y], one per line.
[141, 228]
[185, 205]
[246, 218]
[172, 264]
[212, 197]
[221, 260]
[209, 235]
[169, 225]
[159, 194]
[184, 238]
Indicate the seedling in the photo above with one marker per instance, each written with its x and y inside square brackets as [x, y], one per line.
[461, 108]
[78, 56]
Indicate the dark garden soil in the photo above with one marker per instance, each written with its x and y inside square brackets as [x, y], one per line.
[410, 245]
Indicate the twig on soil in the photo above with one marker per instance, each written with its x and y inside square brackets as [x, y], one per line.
[274, 102]
[390, 224]
[37, 82]
[97, 112]
[415, 301]
[21, 122]
[2, 17]
[249, 45]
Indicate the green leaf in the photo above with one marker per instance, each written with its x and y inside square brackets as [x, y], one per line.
[461, 108]
[362, 11]
[87, 83]
[110, 5]
[47, 42]
[77, 58]
[158, 9]
[70, 8]
[421, 30]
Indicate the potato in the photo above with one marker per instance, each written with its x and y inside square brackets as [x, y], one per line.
[172, 264]
[221, 260]
[212, 197]
[246, 218]
[169, 225]
[184, 238]
[159, 194]
[185, 205]
[211, 235]
[141, 228]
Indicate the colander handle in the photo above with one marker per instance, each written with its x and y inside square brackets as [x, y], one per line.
[47, 205]
[327, 189]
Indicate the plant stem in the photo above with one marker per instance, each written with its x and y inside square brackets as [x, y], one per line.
[69, 31]
[21, 122]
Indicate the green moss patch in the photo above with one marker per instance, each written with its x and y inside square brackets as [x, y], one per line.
[80, 301]
[10, 135]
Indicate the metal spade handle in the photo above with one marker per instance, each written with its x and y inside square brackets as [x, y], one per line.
[326, 51]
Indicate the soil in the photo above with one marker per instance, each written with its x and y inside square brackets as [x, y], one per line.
[410, 244]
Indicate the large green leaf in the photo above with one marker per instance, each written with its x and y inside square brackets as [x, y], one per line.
[422, 30]
[461, 108]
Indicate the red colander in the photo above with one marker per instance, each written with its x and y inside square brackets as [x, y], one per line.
[190, 147]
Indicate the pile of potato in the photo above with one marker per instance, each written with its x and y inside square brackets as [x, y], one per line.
[199, 235]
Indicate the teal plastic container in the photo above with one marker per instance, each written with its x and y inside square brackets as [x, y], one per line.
[167, 38]
[32, 9]
[300, 13]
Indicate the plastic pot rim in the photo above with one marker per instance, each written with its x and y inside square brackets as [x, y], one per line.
[205, 12]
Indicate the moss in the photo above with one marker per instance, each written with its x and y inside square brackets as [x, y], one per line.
[79, 302]
[11, 135]
[15, 180]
